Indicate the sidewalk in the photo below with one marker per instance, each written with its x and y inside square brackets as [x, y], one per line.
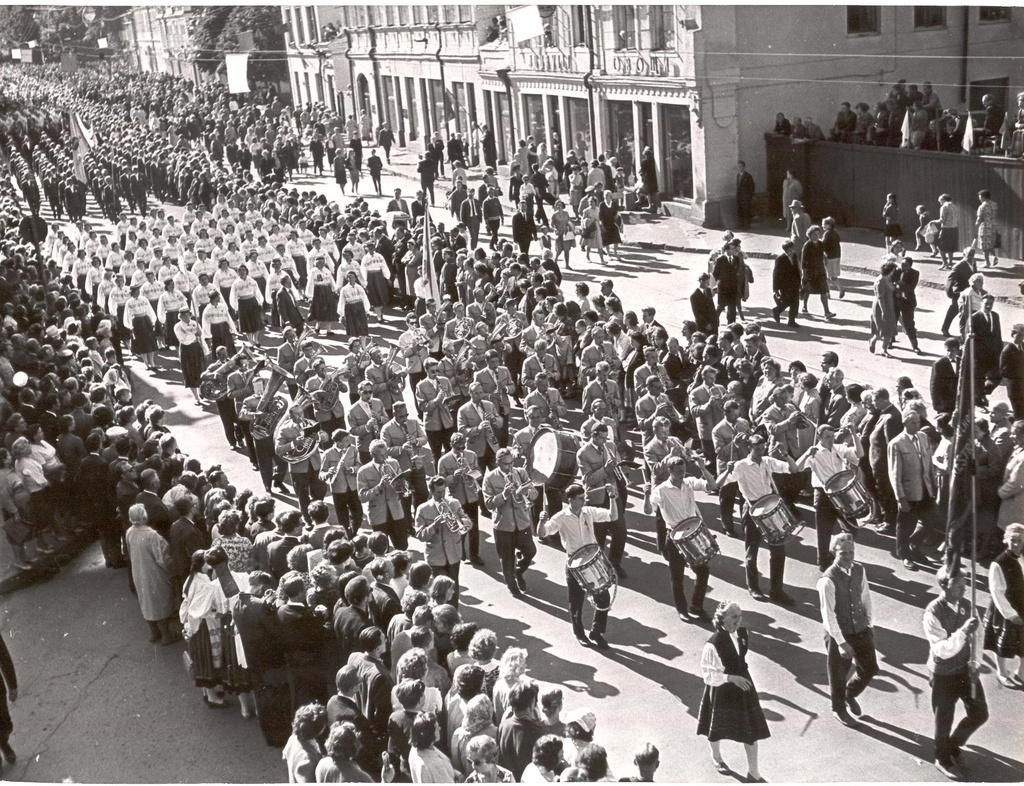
[863, 249]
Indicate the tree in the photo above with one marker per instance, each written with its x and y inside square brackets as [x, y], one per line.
[17, 25]
[61, 27]
[267, 62]
[206, 26]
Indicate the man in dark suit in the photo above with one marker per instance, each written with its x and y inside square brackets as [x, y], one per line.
[375, 684]
[1011, 369]
[343, 707]
[305, 638]
[889, 425]
[958, 279]
[419, 205]
[352, 619]
[384, 601]
[745, 189]
[988, 344]
[290, 526]
[158, 515]
[786, 283]
[398, 205]
[98, 504]
[185, 539]
[702, 303]
[524, 230]
[427, 169]
[469, 214]
[906, 299]
[943, 383]
[838, 404]
[493, 214]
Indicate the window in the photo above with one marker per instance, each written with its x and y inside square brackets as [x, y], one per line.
[432, 14]
[288, 24]
[927, 16]
[579, 24]
[994, 13]
[403, 14]
[662, 19]
[389, 15]
[625, 26]
[465, 13]
[372, 15]
[314, 28]
[448, 11]
[862, 19]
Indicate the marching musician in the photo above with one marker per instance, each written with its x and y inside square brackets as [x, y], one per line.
[509, 495]
[649, 406]
[303, 368]
[225, 406]
[386, 378]
[729, 438]
[365, 419]
[599, 350]
[651, 368]
[272, 468]
[293, 428]
[576, 525]
[432, 394]
[453, 366]
[384, 508]
[324, 389]
[674, 501]
[539, 361]
[548, 399]
[789, 431]
[441, 524]
[461, 470]
[479, 421]
[824, 459]
[498, 385]
[288, 356]
[599, 469]
[414, 346]
[338, 467]
[754, 476]
[457, 330]
[602, 386]
[239, 383]
[407, 442]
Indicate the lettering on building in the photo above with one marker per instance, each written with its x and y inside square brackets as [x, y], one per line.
[638, 65]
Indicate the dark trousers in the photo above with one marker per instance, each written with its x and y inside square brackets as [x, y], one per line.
[617, 530]
[577, 598]
[301, 483]
[951, 314]
[752, 546]
[884, 494]
[507, 544]
[676, 571]
[397, 530]
[864, 662]
[947, 690]
[471, 540]
[493, 225]
[226, 410]
[246, 434]
[348, 511]
[728, 303]
[907, 318]
[825, 519]
[440, 442]
[452, 572]
[727, 496]
[273, 468]
[908, 524]
[787, 301]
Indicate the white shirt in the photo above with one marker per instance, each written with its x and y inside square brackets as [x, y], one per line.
[826, 463]
[946, 645]
[577, 532]
[711, 664]
[827, 596]
[755, 481]
[997, 589]
[677, 503]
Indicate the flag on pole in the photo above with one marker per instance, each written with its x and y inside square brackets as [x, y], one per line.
[432, 284]
[84, 139]
[238, 72]
[906, 130]
[1006, 132]
[958, 516]
[525, 23]
[968, 142]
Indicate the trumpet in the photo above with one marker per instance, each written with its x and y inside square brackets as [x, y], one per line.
[518, 492]
[668, 409]
[448, 519]
[617, 465]
[396, 480]
[469, 478]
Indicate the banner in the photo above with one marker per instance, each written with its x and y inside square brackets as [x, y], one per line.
[906, 130]
[428, 261]
[85, 140]
[238, 72]
[969, 134]
[15, 54]
[958, 517]
[525, 23]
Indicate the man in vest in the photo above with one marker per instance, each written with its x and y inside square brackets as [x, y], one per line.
[954, 655]
[846, 615]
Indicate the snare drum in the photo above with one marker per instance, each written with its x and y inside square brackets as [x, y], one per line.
[552, 458]
[848, 494]
[694, 540]
[591, 568]
[773, 518]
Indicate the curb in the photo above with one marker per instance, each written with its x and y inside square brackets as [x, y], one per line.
[49, 566]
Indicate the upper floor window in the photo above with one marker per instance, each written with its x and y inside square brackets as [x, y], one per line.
[662, 19]
[313, 26]
[389, 15]
[994, 13]
[465, 13]
[432, 14]
[417, 14]
[926, 16]
[624, 18]
[403, 14]
[578, 16]
[861, 19]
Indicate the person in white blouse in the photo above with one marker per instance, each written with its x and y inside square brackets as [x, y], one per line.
[322, 288]
[192, 347]
[575, 524]
[356, 305]
[218, 326]
[140, 318]
[376, 274]
[247, 302]
[729, 708]
[1004, 622]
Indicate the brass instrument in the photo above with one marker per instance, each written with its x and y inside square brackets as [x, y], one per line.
[668, 409]
[492, 441]
[326, 396]
[463, 328]
[446, 518]
[392, 381]
[305, 444]
[617, 466]
[213, 384]
[469, 478]
[272, 407]
[519, 493]
[398, 482]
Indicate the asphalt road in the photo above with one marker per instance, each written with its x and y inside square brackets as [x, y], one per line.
[100, 704]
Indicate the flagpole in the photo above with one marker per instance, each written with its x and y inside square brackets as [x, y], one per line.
[969, 342]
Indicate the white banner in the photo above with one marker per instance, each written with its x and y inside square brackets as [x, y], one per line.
[101, 43]
[525, 22]
[15, 54]
[238, 72]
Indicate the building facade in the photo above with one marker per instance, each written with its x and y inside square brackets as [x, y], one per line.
[309, 31]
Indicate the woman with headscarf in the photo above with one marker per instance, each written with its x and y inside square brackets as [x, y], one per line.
[883, 309]
[478, 720]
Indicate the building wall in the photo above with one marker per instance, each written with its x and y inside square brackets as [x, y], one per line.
[311, 79]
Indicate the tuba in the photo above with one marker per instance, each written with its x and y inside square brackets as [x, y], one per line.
[213, 385]
[272, 407]
[327, 396]
[305, 443]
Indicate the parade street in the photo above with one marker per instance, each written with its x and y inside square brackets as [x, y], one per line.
[97, 703]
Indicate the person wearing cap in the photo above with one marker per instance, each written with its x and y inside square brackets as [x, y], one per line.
[824, 459]
[799, 224]
[576, 525]
[753, 474]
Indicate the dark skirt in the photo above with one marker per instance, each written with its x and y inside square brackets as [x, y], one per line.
[324, 307]
[731, 713]
[205, 672]
[355, 319]
[610, 234]
[949, 240]
[143, 337]
[1003, 637]
[893, 230]
[220, 336]
[170, 339]
[377, 290]
[816, 279]
[191, 357]
[250, 315]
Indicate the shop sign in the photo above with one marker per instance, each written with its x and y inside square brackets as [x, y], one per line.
[638, 65]
[555, 62]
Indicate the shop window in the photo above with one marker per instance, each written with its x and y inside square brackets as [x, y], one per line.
[929, 16]
[994, 13]
[621, 135]
[662, 21]
[578, 128]
[863, 20]
[675, 169]
[624, 17]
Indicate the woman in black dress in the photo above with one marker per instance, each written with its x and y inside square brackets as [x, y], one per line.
[608, 215]
[812, 268]
[729, 709]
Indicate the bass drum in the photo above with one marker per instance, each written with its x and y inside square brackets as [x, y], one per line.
[552, 458]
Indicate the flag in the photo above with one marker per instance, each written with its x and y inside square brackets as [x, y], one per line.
[238, 72]
[525, 23]
[906, 130]
[15, 54]
[85, 140]
[968, 142]
[428, 262]
[1006, 132]
[958, 515]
